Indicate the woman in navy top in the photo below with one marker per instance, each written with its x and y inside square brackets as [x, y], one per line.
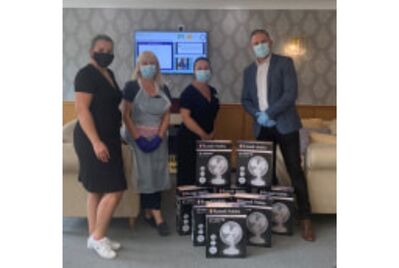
[199, 106]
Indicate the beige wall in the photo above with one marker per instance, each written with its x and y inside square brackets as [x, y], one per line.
[228, 44]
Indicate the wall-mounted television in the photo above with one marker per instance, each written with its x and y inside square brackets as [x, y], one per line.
[176, 51]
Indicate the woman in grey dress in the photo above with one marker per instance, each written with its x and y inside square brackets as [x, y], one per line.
[145, 113]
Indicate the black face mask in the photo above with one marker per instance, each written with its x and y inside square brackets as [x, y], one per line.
[103, 59]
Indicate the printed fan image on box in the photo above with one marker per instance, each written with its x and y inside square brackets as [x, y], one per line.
[213, 163]
[283, 218]
[254, 164]
[226, 236]
[259, 226]
[259, 221]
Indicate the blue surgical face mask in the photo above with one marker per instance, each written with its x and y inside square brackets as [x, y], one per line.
[261, 50]
[203, 75]
[148, 71]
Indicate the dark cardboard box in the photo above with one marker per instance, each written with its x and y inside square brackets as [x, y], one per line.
[253, 199]
[199, 211]
[198, 225]
[283, 215]
[214, 197]
[232, 190]
[254, 164]
[226, 236]
[185, 199]
[259, 225]
[183, 214]
[191, 190]
[259, 220]
[278, 190]
[213, 166]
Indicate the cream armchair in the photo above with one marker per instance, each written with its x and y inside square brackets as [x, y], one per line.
[74, 195]
[319, 163]
[320, 170]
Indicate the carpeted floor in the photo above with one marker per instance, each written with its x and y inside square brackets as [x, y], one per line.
[143, 247]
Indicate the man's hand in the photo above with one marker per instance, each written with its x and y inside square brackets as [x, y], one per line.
[264, 120]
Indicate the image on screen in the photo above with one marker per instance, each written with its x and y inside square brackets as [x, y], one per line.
[176, 51]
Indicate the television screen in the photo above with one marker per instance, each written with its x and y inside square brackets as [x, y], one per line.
[176, 51]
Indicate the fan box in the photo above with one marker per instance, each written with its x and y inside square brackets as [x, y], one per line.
[259, 221]
[198, 225]
[253, 199]
[191, 190]
[283, 215]
[233, 190]
[254, 164]
[183, 214]
[213, 163]
[213, 197]
[185, 199]
[226, 236]
[259, 225]
[199, 213]
[278, 190]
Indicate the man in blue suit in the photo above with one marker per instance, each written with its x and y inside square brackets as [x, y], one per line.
[268, 95]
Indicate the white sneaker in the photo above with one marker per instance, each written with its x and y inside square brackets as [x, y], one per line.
[113, 244]
[101, 247]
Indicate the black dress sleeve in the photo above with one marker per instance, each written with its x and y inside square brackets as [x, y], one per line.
[130, 90]
[186, 99]
[84, 81]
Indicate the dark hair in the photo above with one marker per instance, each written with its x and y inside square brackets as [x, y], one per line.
[99, 37]
[262, 31]
[204, 59]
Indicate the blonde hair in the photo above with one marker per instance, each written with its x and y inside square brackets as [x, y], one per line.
[148, 55]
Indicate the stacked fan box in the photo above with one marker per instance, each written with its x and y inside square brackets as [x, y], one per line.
[226, 216]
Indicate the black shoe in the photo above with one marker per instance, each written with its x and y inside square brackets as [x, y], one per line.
[150, 221]
[163, 229]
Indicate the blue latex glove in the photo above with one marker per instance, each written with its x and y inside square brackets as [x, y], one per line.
[155, 142]
[262, 118]
[270, 123]
[143, 144]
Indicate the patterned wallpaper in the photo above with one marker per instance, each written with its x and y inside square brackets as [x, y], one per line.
[228, 45]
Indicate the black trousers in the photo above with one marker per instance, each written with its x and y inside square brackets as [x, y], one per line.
[289, 145]
[151, 201]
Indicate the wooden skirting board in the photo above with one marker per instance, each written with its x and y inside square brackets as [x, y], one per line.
[233, 122]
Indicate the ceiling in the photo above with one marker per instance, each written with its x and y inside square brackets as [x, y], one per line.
[202, 4]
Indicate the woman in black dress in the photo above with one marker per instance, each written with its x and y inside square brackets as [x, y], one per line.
[97, 143]
[199, 106]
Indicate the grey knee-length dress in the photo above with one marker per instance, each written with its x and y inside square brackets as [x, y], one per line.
[150, 170]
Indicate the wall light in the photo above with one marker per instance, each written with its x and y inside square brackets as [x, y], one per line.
[295, 47]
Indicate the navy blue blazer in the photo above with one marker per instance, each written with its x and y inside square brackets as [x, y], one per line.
[282, 91]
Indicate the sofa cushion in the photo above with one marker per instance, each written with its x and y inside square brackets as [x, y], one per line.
[332, 125]
[304, 139]
[67, 131]
[321, 156]
[322, 137]
[70, 159]
[312, 123]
